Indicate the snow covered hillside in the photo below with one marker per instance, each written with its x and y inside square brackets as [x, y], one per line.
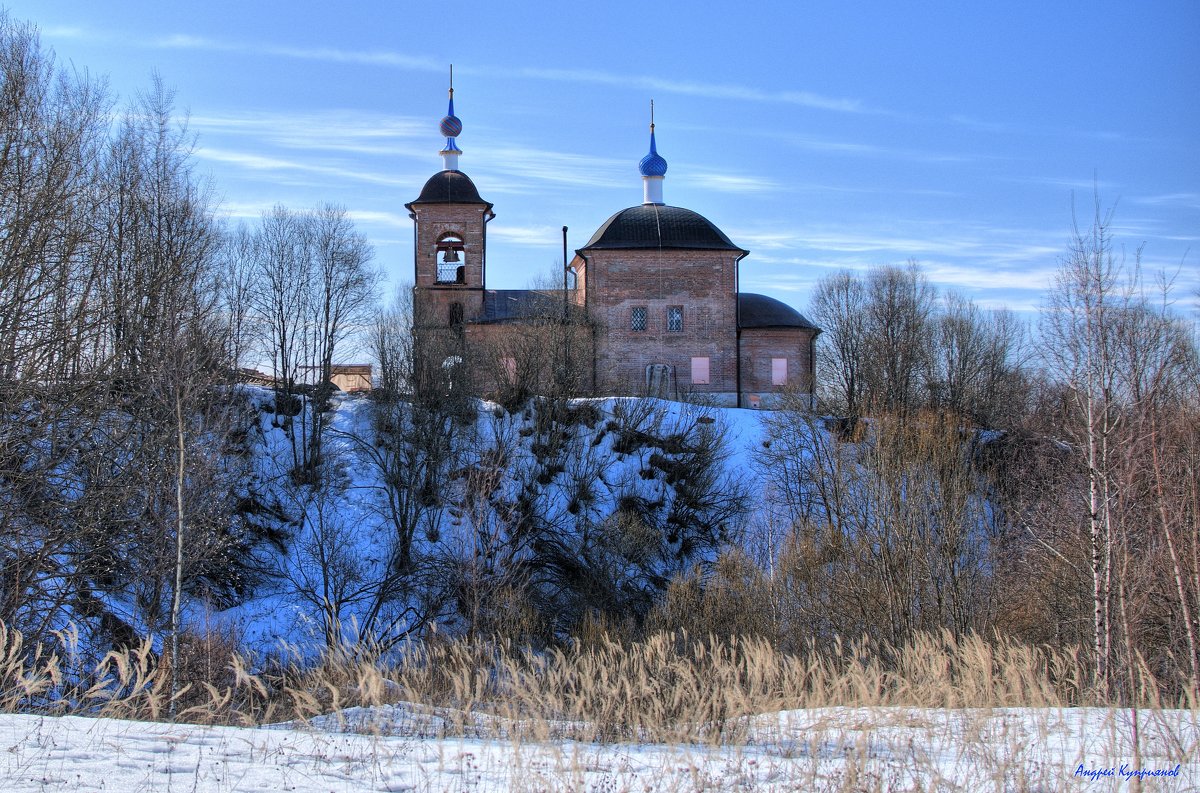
[410, 522]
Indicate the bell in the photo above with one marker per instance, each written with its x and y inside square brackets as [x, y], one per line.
[451, 255]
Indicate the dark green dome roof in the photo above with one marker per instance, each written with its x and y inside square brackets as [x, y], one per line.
[659, 226]
[760, 311]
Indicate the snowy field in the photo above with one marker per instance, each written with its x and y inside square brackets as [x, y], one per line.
[389, 749]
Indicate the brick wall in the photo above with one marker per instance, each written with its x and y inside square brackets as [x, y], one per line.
[433, 221]
[760, 345]
[534, 351]
[702, 282]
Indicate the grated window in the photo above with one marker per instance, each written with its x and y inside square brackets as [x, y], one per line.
[637, 318]
[675, 319]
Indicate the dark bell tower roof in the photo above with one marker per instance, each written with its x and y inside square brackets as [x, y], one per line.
[449, 187]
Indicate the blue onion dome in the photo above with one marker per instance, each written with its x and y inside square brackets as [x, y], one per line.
[652, 164]
[451, 124]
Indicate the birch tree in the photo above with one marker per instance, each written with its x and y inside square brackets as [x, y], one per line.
[1079, 334]
[1128, 369]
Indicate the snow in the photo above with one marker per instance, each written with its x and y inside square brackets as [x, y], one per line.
[349, 514]
[396, 749]
[410, 746]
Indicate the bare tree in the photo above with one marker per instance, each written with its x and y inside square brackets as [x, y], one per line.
[839, 307]
[52, 130]
[159, 237]
[1125, 366]
[392, 344]
[1079, 330]
[237, 279]
[280, 309]
[344, 295]
[110, 426]
[314, 287]
[976, 361]
[900, 306]
[889, 532]
[342, 298]
[52, 126]
[878, 339]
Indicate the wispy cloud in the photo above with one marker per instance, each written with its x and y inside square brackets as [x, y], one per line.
[275, 142]
[850, 148]
[538, 235]
[399, 220]
[999, 127]
[523, 165]
[1083, 186]
[978, 259]
[69, 32]
[727, 183]
[182, 41]
[1183, 200]
[1008, 128]
[259, 162]
[243, 210]
[400, 60]
[1032, 278]
[767, 240]
[1017, 289]
[369, 134]
[698, 88]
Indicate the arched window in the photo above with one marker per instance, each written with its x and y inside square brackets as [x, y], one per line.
[451, 260]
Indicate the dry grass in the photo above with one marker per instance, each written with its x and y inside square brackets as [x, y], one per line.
[933, 717]
[671, 688]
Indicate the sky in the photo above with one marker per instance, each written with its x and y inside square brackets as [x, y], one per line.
[819, 135]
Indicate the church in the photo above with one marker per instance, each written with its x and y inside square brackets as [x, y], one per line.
[656, 287]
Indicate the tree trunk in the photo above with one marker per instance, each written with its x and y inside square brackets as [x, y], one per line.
[179, 480]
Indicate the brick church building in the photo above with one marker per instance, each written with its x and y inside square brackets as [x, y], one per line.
[656, 287]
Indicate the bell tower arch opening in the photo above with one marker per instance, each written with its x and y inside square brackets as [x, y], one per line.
[451, 259]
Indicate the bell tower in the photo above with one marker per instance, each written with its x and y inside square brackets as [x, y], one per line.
[450, 244]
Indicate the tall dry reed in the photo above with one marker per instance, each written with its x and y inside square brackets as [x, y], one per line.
[668, 688]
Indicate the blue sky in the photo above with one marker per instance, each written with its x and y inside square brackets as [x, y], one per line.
[819, 135]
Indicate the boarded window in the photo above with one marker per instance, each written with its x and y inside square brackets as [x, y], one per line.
[779, 371]
[675, 319]
[700, 371]
[637, 318]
